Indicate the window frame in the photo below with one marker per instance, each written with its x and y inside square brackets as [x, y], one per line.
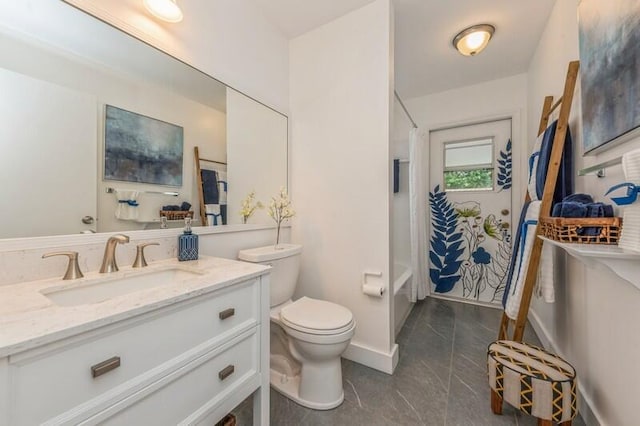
[479, 166]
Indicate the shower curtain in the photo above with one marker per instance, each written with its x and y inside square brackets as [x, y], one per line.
[417, 214]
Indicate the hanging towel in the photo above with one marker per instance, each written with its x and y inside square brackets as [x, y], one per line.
[396, 176]
[210, 186]
[216, 214]
[222, 186]
[539, 165]
[520, 260]
[544, 285]
[127, 208]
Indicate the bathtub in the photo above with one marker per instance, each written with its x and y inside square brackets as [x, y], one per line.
[402, 276]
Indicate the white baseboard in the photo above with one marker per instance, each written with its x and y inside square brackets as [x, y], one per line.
[385, 362]
[586, 408]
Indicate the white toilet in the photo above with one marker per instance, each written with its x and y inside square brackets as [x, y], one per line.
[307, 336]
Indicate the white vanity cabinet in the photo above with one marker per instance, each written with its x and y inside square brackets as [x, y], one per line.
[188, 362]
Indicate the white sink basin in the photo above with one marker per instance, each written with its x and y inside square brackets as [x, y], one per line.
[107, 288]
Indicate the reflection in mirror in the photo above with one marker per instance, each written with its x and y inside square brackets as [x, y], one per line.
[52, 140]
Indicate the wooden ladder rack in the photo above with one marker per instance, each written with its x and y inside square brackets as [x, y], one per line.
[547, 198]
[198, 159]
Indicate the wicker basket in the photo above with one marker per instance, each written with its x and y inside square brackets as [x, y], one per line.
[602, 230]
[176, 214]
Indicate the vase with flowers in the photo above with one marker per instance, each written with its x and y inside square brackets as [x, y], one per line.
[280, 210]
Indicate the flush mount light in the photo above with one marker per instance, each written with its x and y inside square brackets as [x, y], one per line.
[167, 10]
[473, 40]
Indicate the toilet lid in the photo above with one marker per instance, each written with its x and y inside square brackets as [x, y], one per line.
[316, 316]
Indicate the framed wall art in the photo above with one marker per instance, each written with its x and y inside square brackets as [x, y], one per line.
[142, 149]
[610, 71]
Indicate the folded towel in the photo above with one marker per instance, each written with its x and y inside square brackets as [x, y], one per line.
[185, 206]
[630, 237]
[631, 166]
[127, 208]
[210, 186]
[579, 198]
[570, 209]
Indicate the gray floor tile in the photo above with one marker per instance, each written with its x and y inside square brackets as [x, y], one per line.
[441, 378]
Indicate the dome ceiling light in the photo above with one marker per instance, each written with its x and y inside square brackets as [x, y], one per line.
[472, 40]
[167, 10]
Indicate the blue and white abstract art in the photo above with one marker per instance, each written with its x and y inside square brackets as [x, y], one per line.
[610, 69]
[142, 149]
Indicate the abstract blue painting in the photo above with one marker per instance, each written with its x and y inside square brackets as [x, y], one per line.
[142, 149]
[610, 69]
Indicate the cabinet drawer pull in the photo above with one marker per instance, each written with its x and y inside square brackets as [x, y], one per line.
[105, 366]
[226, 372]
[227, 313]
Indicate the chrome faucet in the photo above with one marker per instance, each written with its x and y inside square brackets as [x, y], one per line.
[109, 260]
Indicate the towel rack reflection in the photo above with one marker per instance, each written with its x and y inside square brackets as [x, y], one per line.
[170, 193]
[600, 167]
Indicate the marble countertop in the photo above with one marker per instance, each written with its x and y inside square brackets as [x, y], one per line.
[29, 319]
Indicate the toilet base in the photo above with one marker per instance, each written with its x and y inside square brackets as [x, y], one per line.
[289, 386]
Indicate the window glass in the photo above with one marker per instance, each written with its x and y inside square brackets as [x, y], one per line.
[468, 165]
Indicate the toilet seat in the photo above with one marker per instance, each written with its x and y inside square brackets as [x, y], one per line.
[317, 317]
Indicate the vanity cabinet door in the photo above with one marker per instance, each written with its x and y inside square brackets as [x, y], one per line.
[199, 390]
[97, 368]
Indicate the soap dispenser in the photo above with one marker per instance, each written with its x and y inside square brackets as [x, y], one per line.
[187, 243]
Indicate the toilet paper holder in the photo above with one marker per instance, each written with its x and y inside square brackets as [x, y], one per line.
[371, 290]
[365, 274]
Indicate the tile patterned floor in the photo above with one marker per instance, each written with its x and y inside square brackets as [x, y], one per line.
[440, 378]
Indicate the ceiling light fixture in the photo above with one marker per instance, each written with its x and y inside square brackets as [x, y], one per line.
[472, 40]
[167, 10]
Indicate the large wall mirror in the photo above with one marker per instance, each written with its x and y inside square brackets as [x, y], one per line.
[74, 102]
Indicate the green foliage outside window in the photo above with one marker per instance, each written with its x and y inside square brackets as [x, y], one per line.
[469, 179]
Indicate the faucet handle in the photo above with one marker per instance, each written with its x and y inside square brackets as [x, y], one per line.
[73, 269]
[140, 261]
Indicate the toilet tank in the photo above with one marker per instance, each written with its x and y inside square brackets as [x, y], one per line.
[285, 263]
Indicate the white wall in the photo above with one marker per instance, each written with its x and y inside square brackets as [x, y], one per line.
[228, 39]
[341, 96]
[593, 322]
[501, 98]
[39, 118]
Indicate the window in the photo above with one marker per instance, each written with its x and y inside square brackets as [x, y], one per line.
[468, 165]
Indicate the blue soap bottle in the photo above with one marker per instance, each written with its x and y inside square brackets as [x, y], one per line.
[187, 243]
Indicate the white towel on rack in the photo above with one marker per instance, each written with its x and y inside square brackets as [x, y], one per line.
[214, 215]
[630, 236]
[544, 286]
[222, 186]
[125, 210]
[631, 166]
[545, 283]
[533, 166]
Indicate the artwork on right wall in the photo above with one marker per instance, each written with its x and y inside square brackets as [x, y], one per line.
[610, 71]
